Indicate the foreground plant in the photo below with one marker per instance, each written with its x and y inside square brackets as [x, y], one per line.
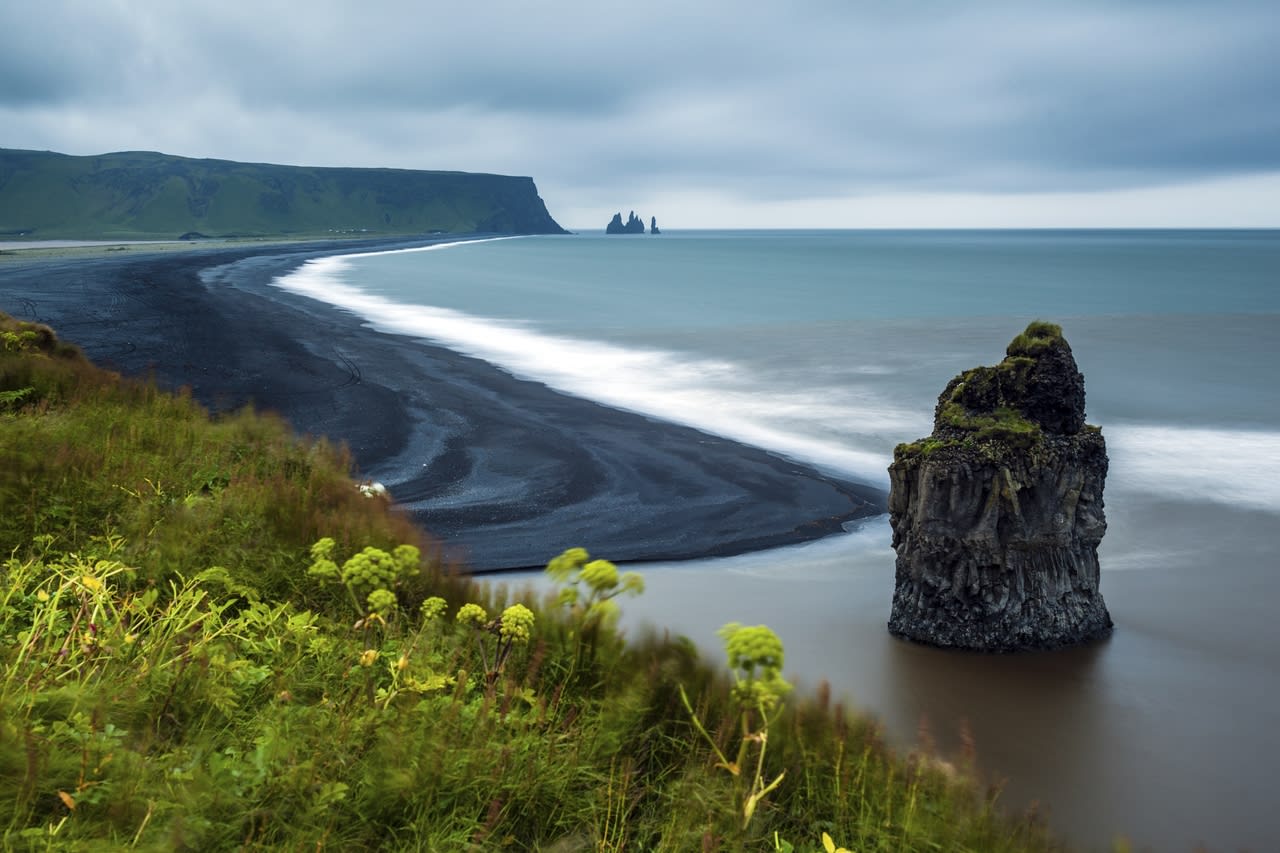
[370, 576]
[589, 589]
[510, 630]
[590, 586]
[781, 845]
[755, 662]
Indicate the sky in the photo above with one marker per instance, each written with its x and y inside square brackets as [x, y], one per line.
[702, 113]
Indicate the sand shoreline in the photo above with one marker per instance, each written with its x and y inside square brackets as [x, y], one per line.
[506, 472]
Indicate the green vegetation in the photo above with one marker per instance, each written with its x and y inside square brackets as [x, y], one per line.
[1004, 424]
[758, 697]
[922, 448]
[981, 405]
[211, 639]
[146, 195]
[1037, 337]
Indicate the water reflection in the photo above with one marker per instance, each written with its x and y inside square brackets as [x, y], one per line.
[1015, 708]
[1167, 732]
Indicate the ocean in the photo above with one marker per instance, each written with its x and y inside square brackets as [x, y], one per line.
[830, 347]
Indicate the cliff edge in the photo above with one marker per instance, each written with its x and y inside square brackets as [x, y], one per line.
[145, 195]
[997, 515]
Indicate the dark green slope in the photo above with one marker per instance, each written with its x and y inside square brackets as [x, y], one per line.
[140, 194]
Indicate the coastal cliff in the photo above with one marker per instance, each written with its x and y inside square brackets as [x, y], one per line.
[998, 514]
[141, 194]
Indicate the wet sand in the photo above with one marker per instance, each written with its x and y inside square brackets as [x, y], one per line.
[506, 472]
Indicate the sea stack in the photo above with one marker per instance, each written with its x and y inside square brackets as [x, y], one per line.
[998, 514]
[633, 225]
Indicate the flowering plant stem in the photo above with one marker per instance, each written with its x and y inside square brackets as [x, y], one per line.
[758, 789]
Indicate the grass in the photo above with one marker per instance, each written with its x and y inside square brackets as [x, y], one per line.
[140, 195]
[1005, 424]
[1036, 338]
[193, 656]
[922, 448]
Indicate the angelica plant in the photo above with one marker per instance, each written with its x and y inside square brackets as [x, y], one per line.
[755, 662]
[592, 585]
[513, 628]
[589, 590]
[370, 577]
[432, 609]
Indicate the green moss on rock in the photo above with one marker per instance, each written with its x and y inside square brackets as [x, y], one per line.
[922, 449]
[1035, 339]
[1018, 400]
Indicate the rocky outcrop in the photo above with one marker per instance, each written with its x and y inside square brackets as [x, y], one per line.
[633, 225]
[998, 514]
[653, 225]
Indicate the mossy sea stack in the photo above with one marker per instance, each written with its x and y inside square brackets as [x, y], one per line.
[998, 514]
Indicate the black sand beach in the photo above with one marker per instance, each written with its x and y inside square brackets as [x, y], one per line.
[505, 472]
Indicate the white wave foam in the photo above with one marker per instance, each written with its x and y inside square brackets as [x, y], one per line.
[814, 425]
[340, 262]
[1230, 466]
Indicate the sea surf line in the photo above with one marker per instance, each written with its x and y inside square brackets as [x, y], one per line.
[710, 394]
[1234, 467]
[807, 421]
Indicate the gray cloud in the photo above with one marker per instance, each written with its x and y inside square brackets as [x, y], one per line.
[811, 100]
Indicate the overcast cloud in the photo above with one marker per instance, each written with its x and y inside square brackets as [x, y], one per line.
[847, 114]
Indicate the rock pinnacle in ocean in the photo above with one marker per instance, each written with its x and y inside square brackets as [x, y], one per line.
[633, 225]
[998, 514]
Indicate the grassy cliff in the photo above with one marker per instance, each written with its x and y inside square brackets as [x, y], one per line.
[211, 639]
[133, 195]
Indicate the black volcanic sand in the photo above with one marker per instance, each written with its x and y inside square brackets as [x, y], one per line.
[506, 472]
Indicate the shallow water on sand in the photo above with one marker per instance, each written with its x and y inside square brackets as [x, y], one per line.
[831, 348]
[1167, 732]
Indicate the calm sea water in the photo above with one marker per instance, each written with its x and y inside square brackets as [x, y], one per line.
[831, 347]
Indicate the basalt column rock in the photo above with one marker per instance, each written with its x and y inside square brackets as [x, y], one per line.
[633, 225]
[998, 514]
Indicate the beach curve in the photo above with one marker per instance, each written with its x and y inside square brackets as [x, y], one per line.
[506, 472]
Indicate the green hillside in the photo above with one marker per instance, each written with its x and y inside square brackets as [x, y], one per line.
[138, 194]
[212, 639]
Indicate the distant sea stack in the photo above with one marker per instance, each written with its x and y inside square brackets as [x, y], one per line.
[633, 225]
[998, 514]
[140, 194]
[653, 225]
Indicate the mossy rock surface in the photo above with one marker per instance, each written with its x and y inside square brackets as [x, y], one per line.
[1035, 339]
[1036, 389]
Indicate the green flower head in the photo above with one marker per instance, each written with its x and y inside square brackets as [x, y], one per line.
[600, 574]
[372, 568]
[382, 602]
[765, 692]
[561, 567]
[323, 549]
[472, 614]
[516, 624]
[432, 608]
[324, 569]
[407, 559]
[750, 648]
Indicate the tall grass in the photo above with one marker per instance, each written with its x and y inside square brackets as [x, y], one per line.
[173, 677]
